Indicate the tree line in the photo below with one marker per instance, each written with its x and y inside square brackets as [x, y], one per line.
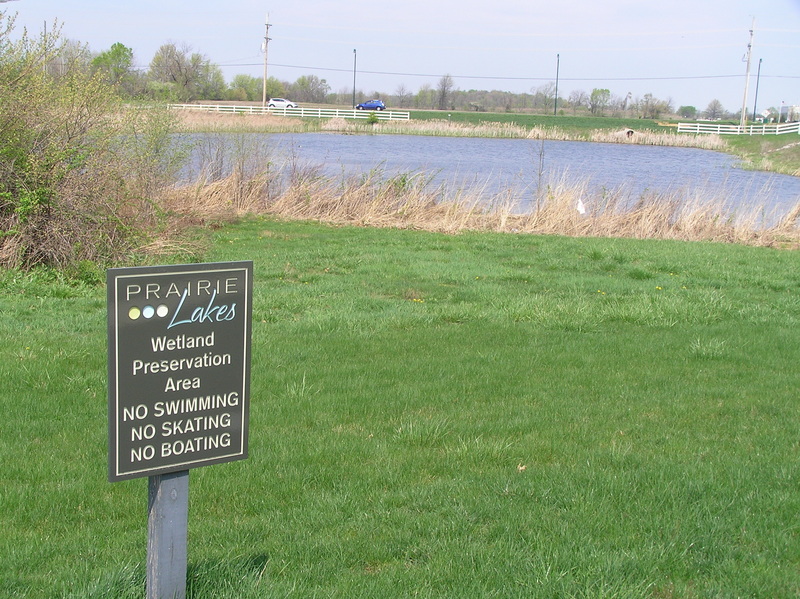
[176, 73]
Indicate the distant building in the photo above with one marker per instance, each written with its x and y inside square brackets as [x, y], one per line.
[790, 114]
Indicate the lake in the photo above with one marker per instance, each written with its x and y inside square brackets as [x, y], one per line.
[496, 165]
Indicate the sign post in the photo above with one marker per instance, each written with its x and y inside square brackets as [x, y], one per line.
[179, 390]
[167, 531]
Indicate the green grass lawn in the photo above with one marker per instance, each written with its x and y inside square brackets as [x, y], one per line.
[480, 415]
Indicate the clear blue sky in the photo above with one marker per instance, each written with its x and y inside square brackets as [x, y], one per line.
[688, 51]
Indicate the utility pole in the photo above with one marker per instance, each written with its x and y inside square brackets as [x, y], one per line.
[743, 118]
[558, 66]
[354, 77]
[758, 78]
[266, 45]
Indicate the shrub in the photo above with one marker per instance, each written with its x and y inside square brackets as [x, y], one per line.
[78, 173]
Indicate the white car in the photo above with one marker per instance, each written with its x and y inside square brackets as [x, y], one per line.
[281, 103]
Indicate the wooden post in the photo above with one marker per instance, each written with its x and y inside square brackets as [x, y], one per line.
[167, 526]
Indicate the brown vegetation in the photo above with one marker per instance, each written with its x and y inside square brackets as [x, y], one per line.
[218, 122]
[412, 201]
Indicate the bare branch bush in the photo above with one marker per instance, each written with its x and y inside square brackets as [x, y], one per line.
[79, 176]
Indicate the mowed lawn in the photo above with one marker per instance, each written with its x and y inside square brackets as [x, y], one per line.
[478, 415]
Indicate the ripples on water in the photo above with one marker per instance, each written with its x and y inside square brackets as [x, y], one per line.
[498, 165]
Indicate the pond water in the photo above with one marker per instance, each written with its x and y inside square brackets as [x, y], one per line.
[496, 165]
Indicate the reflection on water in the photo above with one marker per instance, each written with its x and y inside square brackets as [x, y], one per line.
[497, 165]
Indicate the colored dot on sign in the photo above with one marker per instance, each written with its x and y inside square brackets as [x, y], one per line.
[162, 311]
[148, 311]
[134, 313]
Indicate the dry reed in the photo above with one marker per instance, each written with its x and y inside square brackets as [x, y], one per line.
[198, 121]
[655, 138]
[413, 201]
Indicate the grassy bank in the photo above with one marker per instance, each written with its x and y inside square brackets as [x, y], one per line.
[776, 153]
[439, 416]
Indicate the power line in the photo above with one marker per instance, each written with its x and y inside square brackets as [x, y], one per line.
[494, 77]
[499, 78]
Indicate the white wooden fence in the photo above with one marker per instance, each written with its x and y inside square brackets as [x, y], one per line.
[765, 129]
[301, 112]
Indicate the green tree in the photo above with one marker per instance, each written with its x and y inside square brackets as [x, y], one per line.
[687, 112]
[275, 88]
[211, 85]
[426, 97]
[246, 87]
[598, 100]
[115, 64]
[251, 89]
[651, 107]
[309, 88]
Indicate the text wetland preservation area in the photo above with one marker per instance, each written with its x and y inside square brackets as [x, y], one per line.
[179, 366]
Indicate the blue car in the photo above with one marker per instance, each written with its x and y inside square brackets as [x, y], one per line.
[371, 105]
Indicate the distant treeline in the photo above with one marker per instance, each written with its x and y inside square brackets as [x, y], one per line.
[178, 74]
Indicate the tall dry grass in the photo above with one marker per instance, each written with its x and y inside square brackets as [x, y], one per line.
[443, 128]
[196, 121]
[562, 206]
[655, 138]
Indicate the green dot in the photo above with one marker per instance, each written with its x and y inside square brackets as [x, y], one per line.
[134, 313]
